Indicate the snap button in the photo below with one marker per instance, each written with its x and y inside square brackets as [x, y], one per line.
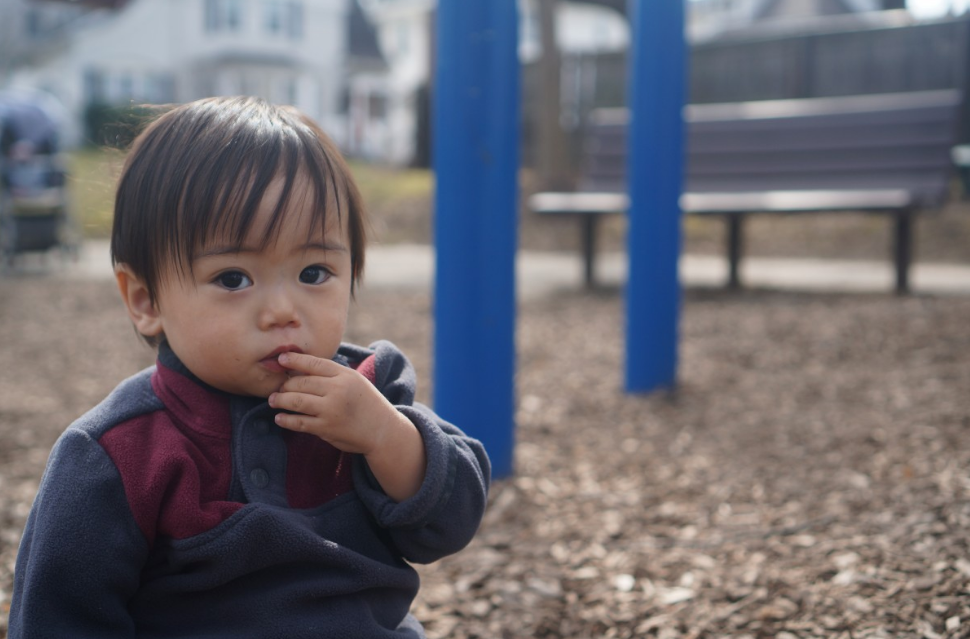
[259, 477]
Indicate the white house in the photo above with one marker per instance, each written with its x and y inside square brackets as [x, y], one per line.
[288, 51]
[388, 110]
[405, 31]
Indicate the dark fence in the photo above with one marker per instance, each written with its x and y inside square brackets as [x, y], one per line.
[817, 61]
[874, 60]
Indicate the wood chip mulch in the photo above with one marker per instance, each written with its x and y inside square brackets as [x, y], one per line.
[809, 477]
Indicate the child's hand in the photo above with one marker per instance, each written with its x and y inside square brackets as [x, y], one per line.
[334, 403]
[342, 407]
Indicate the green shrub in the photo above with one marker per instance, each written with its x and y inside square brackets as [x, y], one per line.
[116, 126]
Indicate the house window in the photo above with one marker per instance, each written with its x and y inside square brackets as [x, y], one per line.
[223, 15]
[126, 87]
[233, 14]
[160, 88]
[294, 20]
[211, 15]
[93, 86]
[228, 82]
[34, 26]
[284, 17]
[274, 16]
[343, 107]
[248, 84]
[376, 106]
[403, 39]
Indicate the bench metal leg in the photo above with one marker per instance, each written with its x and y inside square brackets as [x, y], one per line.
[589, 249]
[903, 250]
[734, 248]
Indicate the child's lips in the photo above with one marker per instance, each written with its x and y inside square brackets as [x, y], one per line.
[272, 361]
[272, 364]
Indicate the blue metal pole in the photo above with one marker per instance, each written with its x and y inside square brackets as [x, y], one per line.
[476, 142]
[657, 96]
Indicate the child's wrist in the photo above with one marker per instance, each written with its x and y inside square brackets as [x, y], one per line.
[398, 460]
[394, 428]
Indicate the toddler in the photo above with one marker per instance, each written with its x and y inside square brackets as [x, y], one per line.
[264, 479]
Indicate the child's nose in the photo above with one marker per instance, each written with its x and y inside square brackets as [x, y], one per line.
[278, 310]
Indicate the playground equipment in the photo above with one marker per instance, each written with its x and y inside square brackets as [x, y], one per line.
[476, 115]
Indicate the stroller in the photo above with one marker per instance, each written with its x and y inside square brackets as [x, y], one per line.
[34, 208]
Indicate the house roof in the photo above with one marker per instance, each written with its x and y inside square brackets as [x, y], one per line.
[363, 47]
[93, 4]
[807, 8]
[250, 58]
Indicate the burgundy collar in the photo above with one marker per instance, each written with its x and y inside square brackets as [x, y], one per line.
[190, 400]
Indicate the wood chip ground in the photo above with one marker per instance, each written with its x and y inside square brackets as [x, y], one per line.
[809, 477]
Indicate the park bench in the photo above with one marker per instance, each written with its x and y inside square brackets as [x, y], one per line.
[886, 154]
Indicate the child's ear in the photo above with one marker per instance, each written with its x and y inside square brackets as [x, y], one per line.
[143, 313]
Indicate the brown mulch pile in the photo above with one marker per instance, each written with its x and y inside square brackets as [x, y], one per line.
[810, 476]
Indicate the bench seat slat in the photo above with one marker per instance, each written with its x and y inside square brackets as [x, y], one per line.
[585, 202]
[746, 202]
[796, 201]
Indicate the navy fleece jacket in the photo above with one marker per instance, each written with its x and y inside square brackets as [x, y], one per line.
[174, 510]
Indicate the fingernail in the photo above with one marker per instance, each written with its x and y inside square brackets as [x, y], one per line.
[283, 358]
[271, 399]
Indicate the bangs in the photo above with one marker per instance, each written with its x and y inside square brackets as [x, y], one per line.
[199, 174]
[220, 204]
[220, 200]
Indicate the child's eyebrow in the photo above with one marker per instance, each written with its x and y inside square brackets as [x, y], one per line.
[214, 251]
[325, 246]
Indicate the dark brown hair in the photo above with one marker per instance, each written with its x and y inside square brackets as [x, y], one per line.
[201, 170]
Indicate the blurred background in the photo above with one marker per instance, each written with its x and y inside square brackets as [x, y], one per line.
[364, 70]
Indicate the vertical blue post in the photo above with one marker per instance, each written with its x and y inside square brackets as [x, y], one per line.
[657, 94]
[476, 143]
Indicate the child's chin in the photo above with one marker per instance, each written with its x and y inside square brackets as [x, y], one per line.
[262, 388]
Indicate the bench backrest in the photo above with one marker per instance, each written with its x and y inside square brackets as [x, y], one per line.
[898, 141]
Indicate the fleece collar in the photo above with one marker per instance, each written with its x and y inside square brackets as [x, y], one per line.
[190, 400]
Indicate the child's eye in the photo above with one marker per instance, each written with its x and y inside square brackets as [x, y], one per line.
[233, 280]
[314, 275]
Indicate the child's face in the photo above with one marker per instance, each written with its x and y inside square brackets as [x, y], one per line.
[231, 316]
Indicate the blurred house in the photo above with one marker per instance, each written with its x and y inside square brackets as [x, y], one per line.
[309, 53]
[362, 68]
[405, 31]
[27, 26]
[395, 108]
[710, 18]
